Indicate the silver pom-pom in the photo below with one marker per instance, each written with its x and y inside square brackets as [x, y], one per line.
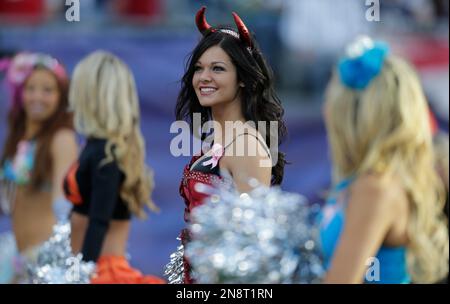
[54, 263]
[174, 270]
[265, 236]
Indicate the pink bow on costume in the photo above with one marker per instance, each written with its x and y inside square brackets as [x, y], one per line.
[217, 153]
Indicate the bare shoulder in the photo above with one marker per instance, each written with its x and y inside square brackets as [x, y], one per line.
[249, 151]
[374, 193]
[63, 140]
[369, 184]
[254, 133]
[254, 162]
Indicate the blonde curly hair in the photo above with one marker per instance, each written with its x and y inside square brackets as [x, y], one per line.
[104, 100]
[385, 128]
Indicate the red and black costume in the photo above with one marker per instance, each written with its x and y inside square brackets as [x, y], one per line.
[193, 174]
[94, 190]
[201, 169]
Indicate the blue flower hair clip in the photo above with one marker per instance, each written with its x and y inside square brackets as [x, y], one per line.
[363, 62]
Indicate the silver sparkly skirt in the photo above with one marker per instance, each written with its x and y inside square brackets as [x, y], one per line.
[51, 262]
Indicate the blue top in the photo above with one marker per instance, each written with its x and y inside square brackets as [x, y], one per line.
[391, 260]
[18, 169]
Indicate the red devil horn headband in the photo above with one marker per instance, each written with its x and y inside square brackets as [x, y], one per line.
[200, 19]
[203, 26]
[244, 33]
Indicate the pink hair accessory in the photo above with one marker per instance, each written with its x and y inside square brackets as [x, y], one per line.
[20, 66]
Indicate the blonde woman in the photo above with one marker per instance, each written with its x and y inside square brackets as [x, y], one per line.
[441, 148]
[110, 181]
[383, 222]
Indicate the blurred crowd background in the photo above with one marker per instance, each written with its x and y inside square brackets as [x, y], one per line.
[300, 38]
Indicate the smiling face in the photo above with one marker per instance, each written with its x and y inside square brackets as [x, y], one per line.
[215, 78]
[40, 95]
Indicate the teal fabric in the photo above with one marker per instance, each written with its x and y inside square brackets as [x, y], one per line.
[391, 260]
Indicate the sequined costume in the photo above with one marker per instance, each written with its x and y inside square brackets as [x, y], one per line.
[193, 198]
[16, 170]
[203, 169]
[21, 267]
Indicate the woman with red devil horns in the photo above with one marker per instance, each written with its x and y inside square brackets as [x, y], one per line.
[230, 84]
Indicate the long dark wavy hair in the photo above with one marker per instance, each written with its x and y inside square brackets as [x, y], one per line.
[259, 100]
[43, 164]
